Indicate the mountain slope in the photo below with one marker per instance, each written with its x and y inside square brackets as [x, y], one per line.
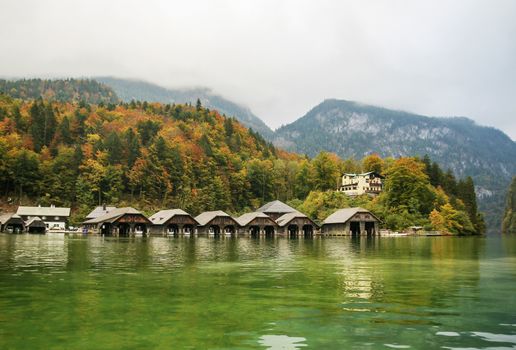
[509, 220]
[129, 90]
[69, 90]
[353, 129]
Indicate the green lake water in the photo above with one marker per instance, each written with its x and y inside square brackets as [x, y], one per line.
[74, 292]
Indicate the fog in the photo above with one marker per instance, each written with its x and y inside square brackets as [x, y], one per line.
[281, 58]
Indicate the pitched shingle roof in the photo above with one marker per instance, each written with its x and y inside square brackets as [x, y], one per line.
[113, 215]
[99, 211]
[288, 217]
[207, 216]
[43, 211]
[276, 207]
[8, 216]
[35, 222]
[245, 219]
[162, 216]
[341, 216]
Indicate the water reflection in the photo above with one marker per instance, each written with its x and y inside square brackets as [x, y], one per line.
[200, 292]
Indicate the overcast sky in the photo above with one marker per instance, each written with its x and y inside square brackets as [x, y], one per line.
[281, 58]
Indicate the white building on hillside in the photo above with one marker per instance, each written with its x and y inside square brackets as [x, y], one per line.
[358, 184]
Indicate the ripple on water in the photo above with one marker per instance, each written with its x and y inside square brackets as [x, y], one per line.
[448, 334]
[497, 338]
[397, 346]
[282, 342]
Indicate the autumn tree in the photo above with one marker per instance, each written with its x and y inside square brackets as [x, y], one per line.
[326, 171]
[373, 162]
[407, 187]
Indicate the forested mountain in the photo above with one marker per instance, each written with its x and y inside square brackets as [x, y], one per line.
[353, 130]
[157, 155]
[509, 219]
[154, 156]
[129, 90]
[72, 90]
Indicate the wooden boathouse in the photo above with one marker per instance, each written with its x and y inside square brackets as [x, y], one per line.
[275, 209]
[216, 223]
[172, 222]
[11, 223]
[296, 224]
[257, 224]
[351, 221]
[118, 222]
[35, 225]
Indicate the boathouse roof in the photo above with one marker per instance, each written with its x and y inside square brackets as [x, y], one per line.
[207, 216]
[162, 216]
[276, 207]
[43, 211]
[288, 217]
[9, 216]
[99, 211]
[35, 222]
[113, 215]
[245, 219]
[341, 216]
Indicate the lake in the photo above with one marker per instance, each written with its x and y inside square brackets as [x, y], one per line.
[75, 292]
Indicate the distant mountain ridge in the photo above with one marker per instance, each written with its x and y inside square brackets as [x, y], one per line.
[353, 129]
[129, 90]
[62, 90]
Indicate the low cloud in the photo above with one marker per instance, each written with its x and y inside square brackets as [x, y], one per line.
[281, 58]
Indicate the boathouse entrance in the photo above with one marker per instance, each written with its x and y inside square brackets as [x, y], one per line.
[106, 229]
[173, 230]
[370, 228]
[354, 227]
[254, 231]
[124, 230]
[269, 231]
[140, 229]
[229, 230]
[37, 229]
[214, 230]
[188, 229]
[308, 231]
[293, 231]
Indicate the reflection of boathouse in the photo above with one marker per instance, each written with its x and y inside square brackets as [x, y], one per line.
[351, 221]
[119, 222]
[216, 223]
[257, 224]
[296, 224]
[172, 222]
[11, 223]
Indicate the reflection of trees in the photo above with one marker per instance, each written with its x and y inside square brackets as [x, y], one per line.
[202, 292]
[422, 271]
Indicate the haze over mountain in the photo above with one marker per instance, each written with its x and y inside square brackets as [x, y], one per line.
[352, 129]
[129, 90]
